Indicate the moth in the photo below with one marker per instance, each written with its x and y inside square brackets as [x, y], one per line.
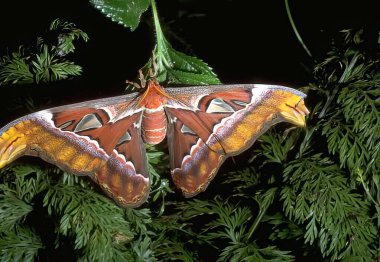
[104, 138]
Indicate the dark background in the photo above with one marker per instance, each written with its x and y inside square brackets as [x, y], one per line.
[244, 41]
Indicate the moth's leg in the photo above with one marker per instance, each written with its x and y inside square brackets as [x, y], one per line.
[136, 85]
[142, 79]
[154, 65]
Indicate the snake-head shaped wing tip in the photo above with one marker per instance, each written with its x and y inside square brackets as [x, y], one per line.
[12, 145]
[295, 113]
[290, 105]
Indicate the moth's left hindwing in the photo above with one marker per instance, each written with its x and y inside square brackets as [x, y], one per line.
[100, 138]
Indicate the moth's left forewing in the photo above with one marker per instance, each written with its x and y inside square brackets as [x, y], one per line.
[212, 123]
[100, 138]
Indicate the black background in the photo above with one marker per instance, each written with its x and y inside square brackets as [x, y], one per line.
[243, 41]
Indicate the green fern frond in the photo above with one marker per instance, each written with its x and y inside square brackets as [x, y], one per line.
[21, 244]
[44, 62]
[319, 195]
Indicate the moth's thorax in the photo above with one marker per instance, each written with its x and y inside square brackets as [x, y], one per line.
[154, 96]
[154, 123]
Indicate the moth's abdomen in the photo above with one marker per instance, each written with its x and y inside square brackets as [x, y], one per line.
[153, 126]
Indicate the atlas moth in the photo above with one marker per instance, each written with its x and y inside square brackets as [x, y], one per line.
[104, 139]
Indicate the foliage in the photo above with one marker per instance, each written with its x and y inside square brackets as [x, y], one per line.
[177, 67]
[334, 193]
[311, 193]
[173, 66]
[21, 244]
[126, 12]
[44, 62]
[67, 33]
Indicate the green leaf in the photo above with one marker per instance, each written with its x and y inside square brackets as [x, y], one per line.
[29, 181]
[96, 223]
[21, 244]
[176, 67]
[179, 68]
[142, 250]
[68, 32]
[125, 12]
[15, 69]
[319, 195]
[44, 62]
[12, 209]
[48, 68]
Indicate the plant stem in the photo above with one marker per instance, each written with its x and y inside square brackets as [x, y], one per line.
[365, 186]
[161, 47]
[256, 222]
[157, 25]
[295, 29]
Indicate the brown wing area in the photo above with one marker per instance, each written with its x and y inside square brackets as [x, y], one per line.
[223, 124]
[193, 163]
[196, 152]
[85, 141]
